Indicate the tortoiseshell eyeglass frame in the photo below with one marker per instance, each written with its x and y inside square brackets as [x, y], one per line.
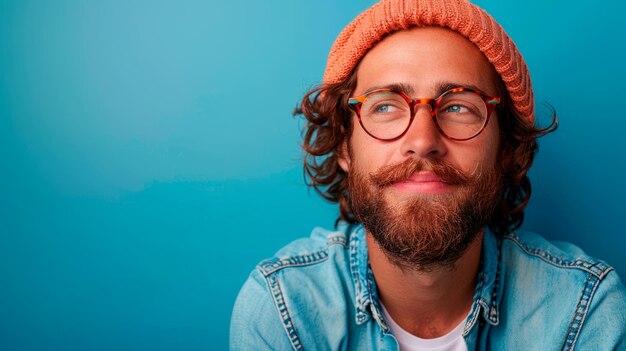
[491, 102]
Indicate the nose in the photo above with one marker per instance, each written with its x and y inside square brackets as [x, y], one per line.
[423, 139]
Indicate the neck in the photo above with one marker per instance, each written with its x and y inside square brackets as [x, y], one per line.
[429, 303]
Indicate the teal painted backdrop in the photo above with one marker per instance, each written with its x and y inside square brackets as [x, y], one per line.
[149, 158]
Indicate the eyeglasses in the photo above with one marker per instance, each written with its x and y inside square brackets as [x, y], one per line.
[459, 113]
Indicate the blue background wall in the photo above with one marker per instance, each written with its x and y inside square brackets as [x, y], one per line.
[149, 159]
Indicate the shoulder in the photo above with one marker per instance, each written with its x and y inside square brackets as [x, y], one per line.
[290, 297]
[556, 288]
[253, 325]
[535, 250]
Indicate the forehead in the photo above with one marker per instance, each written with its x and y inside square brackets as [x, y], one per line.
[425, 58]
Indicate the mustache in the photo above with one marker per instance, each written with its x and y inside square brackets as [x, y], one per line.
[391, 174]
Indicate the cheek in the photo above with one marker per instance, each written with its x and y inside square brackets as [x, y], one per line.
[486, 151]
[480, 152]
[367, 153]
[493, 142]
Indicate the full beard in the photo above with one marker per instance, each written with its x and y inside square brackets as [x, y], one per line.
[424, 231]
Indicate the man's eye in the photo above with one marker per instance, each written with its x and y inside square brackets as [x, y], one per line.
[456, 109]
[385, 108]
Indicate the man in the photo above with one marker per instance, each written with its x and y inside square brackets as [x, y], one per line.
[423, 132]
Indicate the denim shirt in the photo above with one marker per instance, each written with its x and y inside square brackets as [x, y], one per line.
[319, 294]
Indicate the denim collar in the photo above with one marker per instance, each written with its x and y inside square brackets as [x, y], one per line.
[486, 295]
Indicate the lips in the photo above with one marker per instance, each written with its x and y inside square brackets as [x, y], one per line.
[424, 177]
[423, 182]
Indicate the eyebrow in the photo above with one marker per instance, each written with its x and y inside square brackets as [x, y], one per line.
[400, 87]
[441, 88]
[445, 86]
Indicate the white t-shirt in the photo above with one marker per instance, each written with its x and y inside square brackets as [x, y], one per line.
[453, 341]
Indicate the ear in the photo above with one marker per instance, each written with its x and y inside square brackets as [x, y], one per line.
[343, 156]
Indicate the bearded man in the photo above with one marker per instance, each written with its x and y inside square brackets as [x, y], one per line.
[423, 132]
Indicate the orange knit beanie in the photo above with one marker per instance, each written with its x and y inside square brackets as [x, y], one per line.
[459, 15]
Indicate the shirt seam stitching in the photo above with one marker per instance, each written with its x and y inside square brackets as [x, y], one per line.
[287, 321]
[582, 308]
[557, 261]
[272, 265]
[361, 314]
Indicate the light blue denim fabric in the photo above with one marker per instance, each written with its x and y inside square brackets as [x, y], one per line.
[319, 294]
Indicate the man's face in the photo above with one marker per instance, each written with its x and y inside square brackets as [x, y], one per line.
[423, 197]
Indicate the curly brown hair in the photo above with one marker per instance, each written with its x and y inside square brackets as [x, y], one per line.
[328, 125]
